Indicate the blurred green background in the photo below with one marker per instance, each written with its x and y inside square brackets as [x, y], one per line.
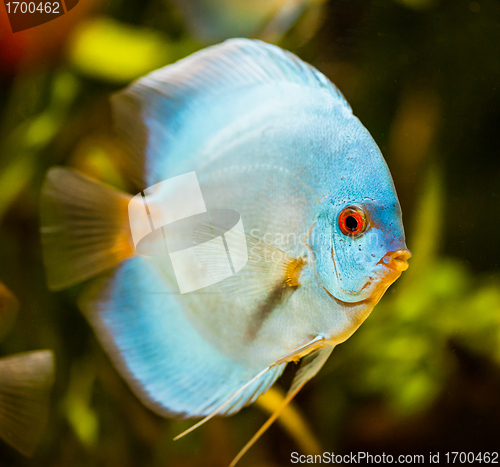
[423, 373]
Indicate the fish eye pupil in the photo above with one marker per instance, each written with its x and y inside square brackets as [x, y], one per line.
[351, 223]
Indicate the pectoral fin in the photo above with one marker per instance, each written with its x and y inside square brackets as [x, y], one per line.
[262, 268]
[309, 367]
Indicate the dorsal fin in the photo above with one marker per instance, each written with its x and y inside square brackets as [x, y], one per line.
[160, 99]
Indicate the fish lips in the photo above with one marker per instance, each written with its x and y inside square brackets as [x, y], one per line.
[386, 271]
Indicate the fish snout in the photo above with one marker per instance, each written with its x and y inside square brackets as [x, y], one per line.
[397, 260]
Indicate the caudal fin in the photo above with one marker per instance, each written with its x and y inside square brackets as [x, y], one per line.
[84, 227]
[25, 383]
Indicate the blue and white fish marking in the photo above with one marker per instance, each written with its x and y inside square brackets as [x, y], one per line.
[271, 138]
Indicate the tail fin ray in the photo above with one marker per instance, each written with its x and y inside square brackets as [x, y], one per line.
[25, 382]
[84, 226]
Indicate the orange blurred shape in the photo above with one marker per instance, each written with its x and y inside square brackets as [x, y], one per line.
[40, 45]
[8, 310]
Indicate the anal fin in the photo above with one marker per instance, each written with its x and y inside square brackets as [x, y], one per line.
[281, 361]
[165, 361]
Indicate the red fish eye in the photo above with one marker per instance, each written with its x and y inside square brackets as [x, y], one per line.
[352, 221]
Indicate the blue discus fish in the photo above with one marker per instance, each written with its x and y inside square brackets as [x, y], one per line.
[265, 136]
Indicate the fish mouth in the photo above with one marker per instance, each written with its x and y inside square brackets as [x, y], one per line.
[386, 271]
[396, 260]
[390, 268]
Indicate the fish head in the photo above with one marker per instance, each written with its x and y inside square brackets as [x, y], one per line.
[358, 240]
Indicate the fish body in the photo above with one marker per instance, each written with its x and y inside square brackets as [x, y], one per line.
[283, 198]
[270, 138]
